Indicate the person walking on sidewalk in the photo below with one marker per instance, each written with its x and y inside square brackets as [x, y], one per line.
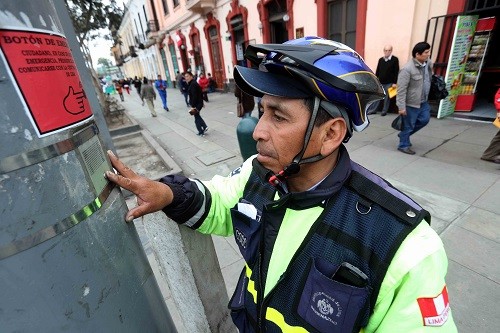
[246, 101]
[137, 84]
[161, 86]
[387, 72]
[328, 245]
[414, 83]
[492, 153]
[182, 84]
[148, 94]
[196, 102]
[119, 88]
[203, 82]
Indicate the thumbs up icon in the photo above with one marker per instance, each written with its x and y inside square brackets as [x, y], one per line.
[73, 101]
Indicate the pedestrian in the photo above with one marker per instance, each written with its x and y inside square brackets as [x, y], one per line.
[178, 77]
[414, 83]
[137, 84]
[196, 102]
[161, 86]
[492, 153]
[246, 101]
[387, 73]
[212, 85]
[119, 89]
[182, 84]
[203, 82]
[148, 94]
[126, 85]
[328, 245]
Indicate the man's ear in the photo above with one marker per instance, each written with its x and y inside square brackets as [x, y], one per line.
[334, 132]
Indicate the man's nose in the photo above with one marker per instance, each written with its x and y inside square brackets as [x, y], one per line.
[260, 132]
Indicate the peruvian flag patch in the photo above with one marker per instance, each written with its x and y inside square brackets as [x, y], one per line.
[435, 310]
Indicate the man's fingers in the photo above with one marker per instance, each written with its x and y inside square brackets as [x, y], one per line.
[137, 212]
[121, 181]
[120, 166]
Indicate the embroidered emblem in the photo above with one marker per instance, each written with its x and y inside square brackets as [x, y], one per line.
[240, 238]
[235, 171]
[326, 307]
[435, 310]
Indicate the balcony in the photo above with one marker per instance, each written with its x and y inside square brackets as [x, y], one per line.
[152, 29]
[200, 6]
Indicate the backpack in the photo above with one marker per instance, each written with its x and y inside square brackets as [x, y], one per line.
[438, 88]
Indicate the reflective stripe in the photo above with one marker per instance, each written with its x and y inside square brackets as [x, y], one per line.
[276, 317]
[251, 283]
[192, 221]
[65, 224]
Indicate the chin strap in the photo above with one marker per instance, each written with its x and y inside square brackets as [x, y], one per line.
[294, 167]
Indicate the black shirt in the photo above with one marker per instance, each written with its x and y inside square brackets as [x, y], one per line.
[387, 71]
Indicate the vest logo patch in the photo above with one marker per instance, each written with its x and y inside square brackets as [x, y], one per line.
[326, 307]
[240, 238]
[235, 171]
[435, 310]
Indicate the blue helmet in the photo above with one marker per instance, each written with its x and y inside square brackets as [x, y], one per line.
[313, 67]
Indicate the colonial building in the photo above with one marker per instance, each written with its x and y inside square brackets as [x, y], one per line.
[210, 35]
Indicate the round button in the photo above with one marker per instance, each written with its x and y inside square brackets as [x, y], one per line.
[410, 213]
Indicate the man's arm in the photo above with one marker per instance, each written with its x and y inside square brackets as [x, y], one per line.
[403, 82]
[413, 296]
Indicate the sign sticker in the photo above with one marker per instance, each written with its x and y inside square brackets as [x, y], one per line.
[435, 310]
[47, 77]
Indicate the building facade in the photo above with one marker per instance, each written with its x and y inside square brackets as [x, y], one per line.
[210, 36]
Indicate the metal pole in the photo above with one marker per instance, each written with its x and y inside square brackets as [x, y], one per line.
[68, 262]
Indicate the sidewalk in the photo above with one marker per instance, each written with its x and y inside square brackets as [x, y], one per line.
[446, 177]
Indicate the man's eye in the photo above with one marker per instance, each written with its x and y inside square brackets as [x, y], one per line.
[278, 118]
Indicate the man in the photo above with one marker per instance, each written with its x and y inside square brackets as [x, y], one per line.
[246, 101]
[161, 86]
[196, 102]
[328, 245]
[211, 83]
[414, 83]
[492, 153]
[148, 94]
[137, 84]
[387, 73]
[182, 84]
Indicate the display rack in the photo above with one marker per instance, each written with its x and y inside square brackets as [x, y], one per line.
[474, 64]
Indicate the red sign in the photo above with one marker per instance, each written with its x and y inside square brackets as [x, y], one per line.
[47, 77]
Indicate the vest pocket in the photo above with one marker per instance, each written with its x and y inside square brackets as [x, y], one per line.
[246, 233]
[329, 305]
[239, 314]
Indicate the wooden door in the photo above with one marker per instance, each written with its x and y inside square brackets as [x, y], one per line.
[218, 70]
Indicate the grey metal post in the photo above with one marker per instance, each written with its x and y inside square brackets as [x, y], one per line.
[68, 262]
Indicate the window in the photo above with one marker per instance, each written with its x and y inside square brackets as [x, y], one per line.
[165, 7]
[342, 21]
[176, 3]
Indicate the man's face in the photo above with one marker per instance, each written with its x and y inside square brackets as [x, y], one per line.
[188, 77]
[159, 77]
[280, 132]
[424, 56]
[387, 51]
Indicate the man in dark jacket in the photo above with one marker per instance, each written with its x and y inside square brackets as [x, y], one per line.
[246, 101]
[196, 102]
[387, 72]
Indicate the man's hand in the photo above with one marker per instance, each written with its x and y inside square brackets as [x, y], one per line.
[402, 112]
[152, 196]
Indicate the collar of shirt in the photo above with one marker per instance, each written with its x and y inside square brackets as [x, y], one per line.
[388, 58]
